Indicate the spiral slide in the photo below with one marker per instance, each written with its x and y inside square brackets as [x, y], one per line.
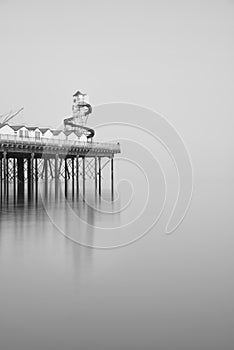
[70, 121]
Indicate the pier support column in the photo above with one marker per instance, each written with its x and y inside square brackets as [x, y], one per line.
[31, 170]
[7, 178]
[20, 173]
[1, 177]
[100, 175]
[20, 170]
[46, 169]
[73, 176]
[51, 170]
[112, 178]
[5, 172]
[46, 175]
[30, 174]
[14, 176]
[36, 176]
[95, 171]
[66, 175]
[56, 174]
[83, 178]
[77, 177]
[60, 167]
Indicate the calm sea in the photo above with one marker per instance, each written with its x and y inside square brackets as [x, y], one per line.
[62, 288]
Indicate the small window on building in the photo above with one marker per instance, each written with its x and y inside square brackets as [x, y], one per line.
[37, 134]
[26, 133]
[21, 134]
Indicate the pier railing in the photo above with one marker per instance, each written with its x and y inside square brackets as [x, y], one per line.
[43, 141]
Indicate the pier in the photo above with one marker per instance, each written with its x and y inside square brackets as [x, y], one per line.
[26, 162]
[30, 155]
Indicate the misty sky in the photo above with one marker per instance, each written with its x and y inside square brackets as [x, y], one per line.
[173, 56]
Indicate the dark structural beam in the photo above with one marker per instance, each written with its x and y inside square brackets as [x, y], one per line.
[112, 178]
[20, 172]
[100, 175]
[95, 175]
[83, 178]
[5, 176]
[1, 177]
[29, 172]
[14, 175]
[77, 177]
[73, 176]
[32, 171]
[51, 170]
[46, 175]
[56, 174]
[36, 176]
[66, 175]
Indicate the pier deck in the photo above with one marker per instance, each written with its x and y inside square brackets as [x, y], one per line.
[26, 146]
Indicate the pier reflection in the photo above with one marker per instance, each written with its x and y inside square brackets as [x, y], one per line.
[28, 218]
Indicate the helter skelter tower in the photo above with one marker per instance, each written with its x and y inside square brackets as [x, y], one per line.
[80, 113]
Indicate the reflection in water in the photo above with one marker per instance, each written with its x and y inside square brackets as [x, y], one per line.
[55, 291]
[35, 215]
[24, 220]
[39, 268]
[57, 294]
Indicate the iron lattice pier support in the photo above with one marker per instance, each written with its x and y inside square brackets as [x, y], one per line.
[25, 168]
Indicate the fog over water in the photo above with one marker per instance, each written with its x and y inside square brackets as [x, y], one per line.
[161, 290]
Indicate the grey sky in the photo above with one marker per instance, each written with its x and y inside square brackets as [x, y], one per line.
[163, 54]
